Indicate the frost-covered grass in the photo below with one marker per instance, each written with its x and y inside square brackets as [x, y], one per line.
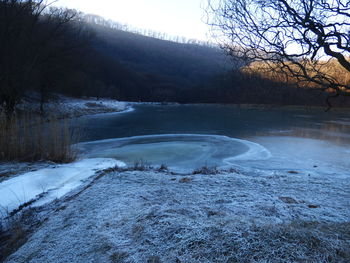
[206, 170]
[23, 193]
[149, 216]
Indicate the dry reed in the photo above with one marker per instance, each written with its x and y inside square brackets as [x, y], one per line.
[30, 138]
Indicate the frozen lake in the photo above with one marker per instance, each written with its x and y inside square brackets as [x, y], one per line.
[287, 196]
[184, 151]
[190, 136]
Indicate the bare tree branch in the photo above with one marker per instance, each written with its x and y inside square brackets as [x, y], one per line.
[298, 39]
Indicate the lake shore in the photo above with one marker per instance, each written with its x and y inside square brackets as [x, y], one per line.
[61, 108]
[250, 213]
[159, 216]
[68, 107]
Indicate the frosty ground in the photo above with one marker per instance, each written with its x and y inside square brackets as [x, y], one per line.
[291, 207]
[230, 216]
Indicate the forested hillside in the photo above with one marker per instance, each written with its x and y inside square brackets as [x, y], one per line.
[157, 69]
[162, 70]
[130, 66]
[184, 64]
[49, 50]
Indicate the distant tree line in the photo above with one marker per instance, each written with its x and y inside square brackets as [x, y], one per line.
[48, 50]
[98, 20]
[241, 87]
[231, 84]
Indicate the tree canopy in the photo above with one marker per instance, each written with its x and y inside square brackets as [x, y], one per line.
[299, 39]
[38, 44]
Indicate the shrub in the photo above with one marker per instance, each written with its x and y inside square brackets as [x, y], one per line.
[163, 168]
[141, 165]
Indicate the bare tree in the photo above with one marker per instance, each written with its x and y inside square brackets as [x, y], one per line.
[17, 23]
[297, 39]
[62, 38]
[35, 40]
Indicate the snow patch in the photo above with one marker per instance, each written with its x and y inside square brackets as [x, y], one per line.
[55, 181]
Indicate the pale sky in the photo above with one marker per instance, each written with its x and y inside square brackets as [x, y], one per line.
[174, 17]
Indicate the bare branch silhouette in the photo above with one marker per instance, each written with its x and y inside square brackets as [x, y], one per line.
[297, 40]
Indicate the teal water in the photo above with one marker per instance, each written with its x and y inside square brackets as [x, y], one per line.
[301, 138]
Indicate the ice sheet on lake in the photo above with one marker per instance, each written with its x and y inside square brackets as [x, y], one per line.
[178, 151]
[55, 181]
[303, 154]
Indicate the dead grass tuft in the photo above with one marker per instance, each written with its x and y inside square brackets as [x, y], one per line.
[15, 230]
[163, 168]
[141, 165]
[206, 170]
[185, 180]
[118, 257]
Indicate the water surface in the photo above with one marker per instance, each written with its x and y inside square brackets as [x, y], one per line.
[296, 139]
